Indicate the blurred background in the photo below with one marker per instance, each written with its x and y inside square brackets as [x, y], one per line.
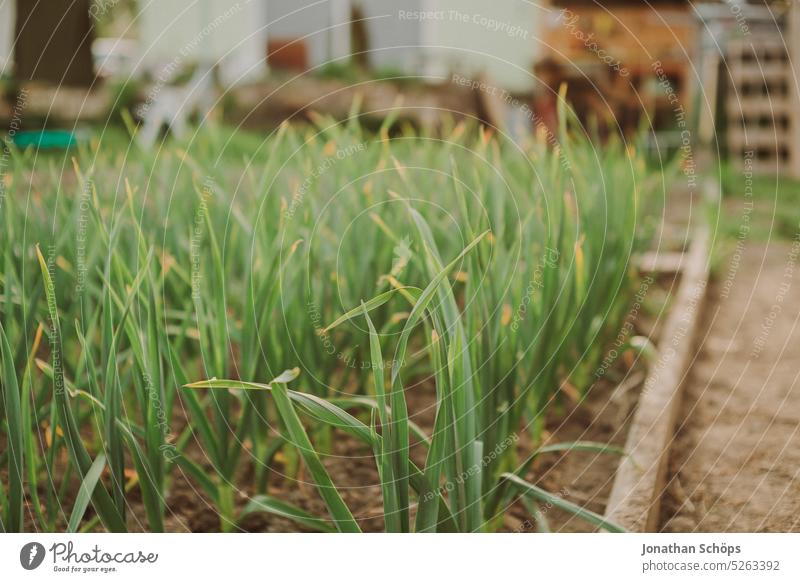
[720, 67]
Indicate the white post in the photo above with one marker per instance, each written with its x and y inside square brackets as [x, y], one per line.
[429, 60]
[6, 35]
[339, 31]
[793, 36]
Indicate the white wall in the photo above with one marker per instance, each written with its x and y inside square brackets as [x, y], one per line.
[230, 34]
[394, 42]
[498, 38]
[7, 13]
[324, 26]
[473, 36]
[464, 36]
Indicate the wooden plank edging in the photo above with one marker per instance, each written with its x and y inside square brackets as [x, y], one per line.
[635, 500]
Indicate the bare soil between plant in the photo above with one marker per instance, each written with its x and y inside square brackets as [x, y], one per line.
[584, 478]
[603, 415]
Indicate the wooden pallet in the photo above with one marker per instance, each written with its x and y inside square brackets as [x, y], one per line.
[759, 108]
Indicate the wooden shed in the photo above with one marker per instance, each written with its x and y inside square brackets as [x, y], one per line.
[623, 57]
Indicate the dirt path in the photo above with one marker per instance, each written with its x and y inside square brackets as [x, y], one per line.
[735, 465]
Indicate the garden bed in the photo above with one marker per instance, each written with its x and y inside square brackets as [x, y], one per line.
[334, 329]
[604, 416]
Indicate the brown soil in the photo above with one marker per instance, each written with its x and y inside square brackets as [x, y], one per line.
[352, 467]
[735, 464]
[604, 416]
[584, 478]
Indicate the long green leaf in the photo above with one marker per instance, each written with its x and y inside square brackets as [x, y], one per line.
[395, 504]
[543, 496]
[103, 503]
[297, 436]
[268, 504]
[85, 493]
[16, 459]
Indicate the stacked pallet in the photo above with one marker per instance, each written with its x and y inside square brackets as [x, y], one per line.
[759, 103]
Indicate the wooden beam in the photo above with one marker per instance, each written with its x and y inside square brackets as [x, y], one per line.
[635, 501]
